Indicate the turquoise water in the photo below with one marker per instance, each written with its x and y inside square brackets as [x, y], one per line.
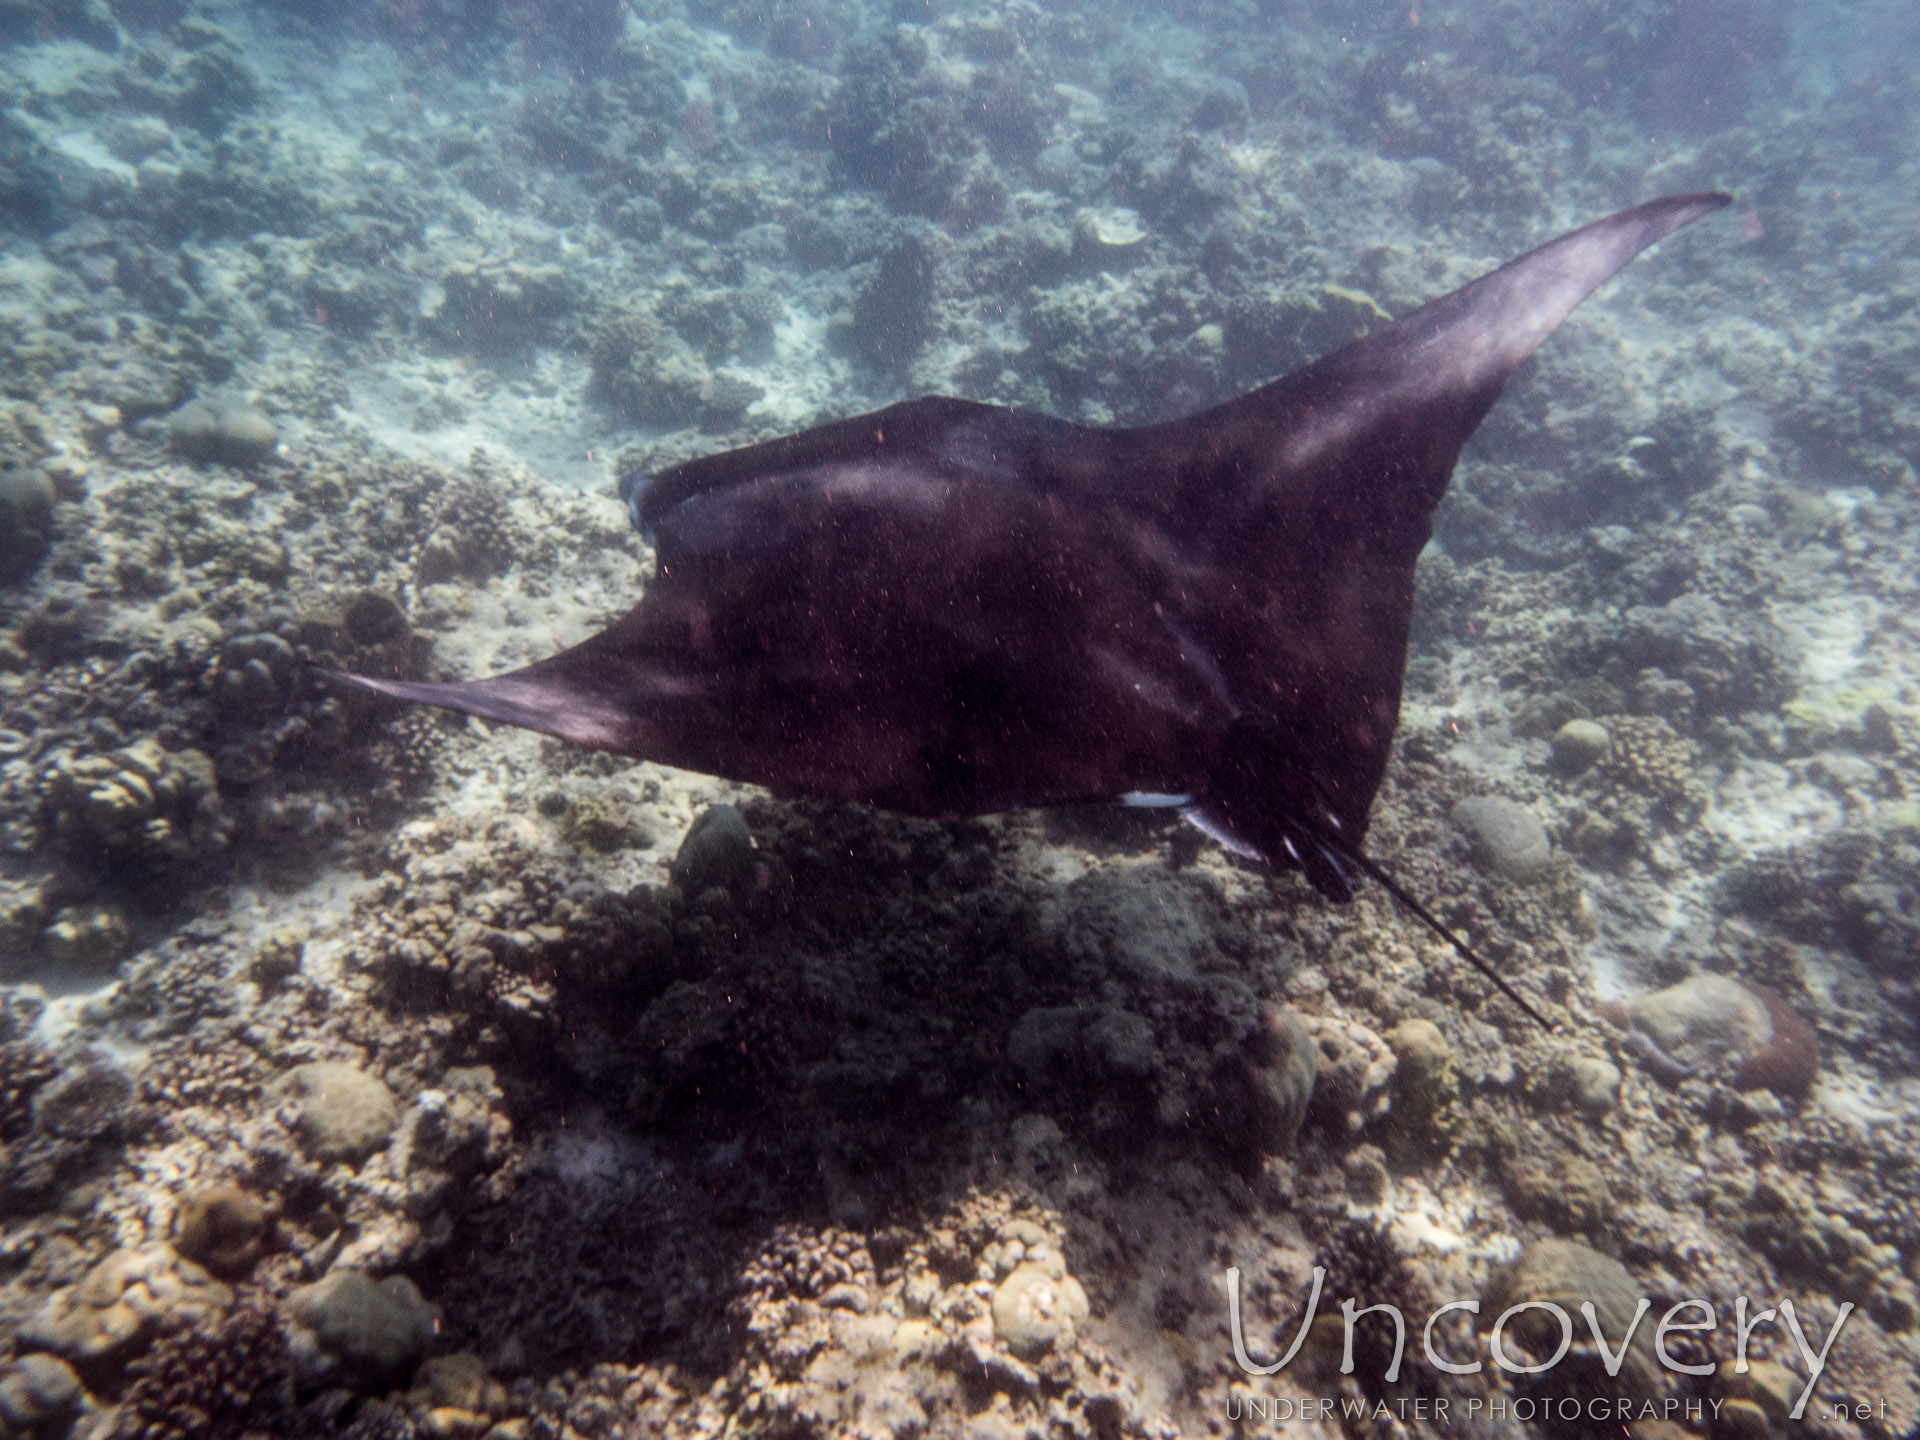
[368, 1069]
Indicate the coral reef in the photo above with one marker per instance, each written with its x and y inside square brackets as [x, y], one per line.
[116, 1310]
[690, 1110]
[353, 1329]
[232, 1377]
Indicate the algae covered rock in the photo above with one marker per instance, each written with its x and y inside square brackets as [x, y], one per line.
[1036, 1304]
[1356, 1070]
[337, 1111]
[1425, 1085]
[257, 673]
[1591, 1083]
[1692, 1027]
[225, 1229]
[352, 1329]
[1286, 1064]
[1579, 745]
[1567, 1192]
[718, 852]
[1759, 1400]
[1034, 1309]
[1251, 1090]
[1786, 1218]
[87, 1101]
[1507, 838]
[1569, 1275]
[222, 429]
[39, 1395]
[26, 517]
[87, 938]
[459, 1383]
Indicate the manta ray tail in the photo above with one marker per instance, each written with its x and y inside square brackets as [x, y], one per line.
[1330, 846]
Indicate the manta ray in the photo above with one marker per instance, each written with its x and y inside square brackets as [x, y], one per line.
[948, 608]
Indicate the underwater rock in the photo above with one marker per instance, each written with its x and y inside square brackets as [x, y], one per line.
[1579, 745]
[1425, 1085]
[229, 1379]
[893, 316]
[1355, 1072]
[372, 618]
[257, 673]
[1569, 1274]
[98, 1324]
[718, 851]
[475, 537]
[1567, 1192]
[892, 129]
[89, 1100]
[1592, 1084]
[1540, 717]
[364, 628]
[1730, 660]
[1507, 837]
[23, 915]
[1250, 1090]
[1110, 234]
[89, 937]
[26, 517]
[24, 1068]
[646, 373]
[1368, 1179]
[455, 1130]
[596, 822]
[459, 1383]
[140, 800]
[1789, 1222]
[1287, 1068]
[1103, 1041]
[358, 1331]
[39, 1395]
[207, 83]
[277, 959]
[337, 1111]
[222, 429]
[1759, 1402]
[1692, 1027]
[225, 1229]
[498, 307]
[1648, 757]
[1037, 1307]
[1423, 1055]
[59, 628]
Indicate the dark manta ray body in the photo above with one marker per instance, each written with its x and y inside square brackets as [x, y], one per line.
[949, 609]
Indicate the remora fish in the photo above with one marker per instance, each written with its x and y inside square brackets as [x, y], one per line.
[949, 609]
